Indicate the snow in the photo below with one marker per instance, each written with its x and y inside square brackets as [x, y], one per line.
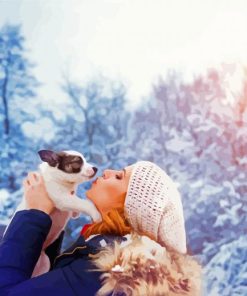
[4, 195]
[42, 128]
[178, 144]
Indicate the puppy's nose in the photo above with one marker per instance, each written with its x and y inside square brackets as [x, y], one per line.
[95, 170]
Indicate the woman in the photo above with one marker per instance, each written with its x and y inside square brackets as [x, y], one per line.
[139, 248]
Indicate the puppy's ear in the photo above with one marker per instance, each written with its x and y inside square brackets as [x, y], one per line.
[49, 156]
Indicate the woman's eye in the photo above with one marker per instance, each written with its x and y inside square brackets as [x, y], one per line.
[119, 177]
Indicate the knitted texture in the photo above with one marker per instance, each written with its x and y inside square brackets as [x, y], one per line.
[153, 206]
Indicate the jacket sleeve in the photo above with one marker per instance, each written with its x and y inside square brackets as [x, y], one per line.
[21, 246]
[51, 283]
[19, 251]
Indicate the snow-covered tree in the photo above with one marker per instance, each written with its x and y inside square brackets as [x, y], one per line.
[17, 90]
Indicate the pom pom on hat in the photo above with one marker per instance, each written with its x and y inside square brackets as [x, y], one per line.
[153, 206]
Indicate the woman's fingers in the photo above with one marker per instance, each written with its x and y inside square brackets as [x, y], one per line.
[26, 183]
[33, 177]
[36, 195]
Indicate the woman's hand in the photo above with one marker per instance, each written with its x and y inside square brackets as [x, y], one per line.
[35, 193]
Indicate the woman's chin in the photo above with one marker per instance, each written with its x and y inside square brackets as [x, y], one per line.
[86, 194]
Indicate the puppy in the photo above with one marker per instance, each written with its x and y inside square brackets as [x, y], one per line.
[62, 172]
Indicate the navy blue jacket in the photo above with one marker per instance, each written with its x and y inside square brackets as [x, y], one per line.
[70, 273]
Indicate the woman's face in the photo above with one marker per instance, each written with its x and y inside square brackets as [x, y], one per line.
[109, 191]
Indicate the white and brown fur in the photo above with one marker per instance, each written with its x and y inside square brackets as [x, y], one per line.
[62, 172]
[142, 266]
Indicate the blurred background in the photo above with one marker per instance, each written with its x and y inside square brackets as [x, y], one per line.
[122, 81]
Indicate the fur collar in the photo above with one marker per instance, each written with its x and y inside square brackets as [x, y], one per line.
[140, 266]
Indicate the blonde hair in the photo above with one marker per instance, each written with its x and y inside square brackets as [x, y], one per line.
[113, 222]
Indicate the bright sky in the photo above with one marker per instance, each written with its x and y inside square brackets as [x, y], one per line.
[131, 40]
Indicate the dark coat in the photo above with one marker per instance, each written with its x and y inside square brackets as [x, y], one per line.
[70, 271]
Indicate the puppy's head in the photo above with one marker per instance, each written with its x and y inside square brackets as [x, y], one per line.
[70, 166]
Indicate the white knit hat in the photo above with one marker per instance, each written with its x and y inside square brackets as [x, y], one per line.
[153, 206]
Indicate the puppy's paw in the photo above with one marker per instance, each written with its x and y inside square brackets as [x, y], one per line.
[75, 215]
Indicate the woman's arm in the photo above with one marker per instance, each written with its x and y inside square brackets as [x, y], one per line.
[19, 252]
[21, 246]
[22, 243]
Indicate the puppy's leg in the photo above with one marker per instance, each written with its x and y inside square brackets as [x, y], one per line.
[77, 204]
[75, 215]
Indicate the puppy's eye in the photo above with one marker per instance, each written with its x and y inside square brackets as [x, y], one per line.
[68, 168]
[76, 165]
